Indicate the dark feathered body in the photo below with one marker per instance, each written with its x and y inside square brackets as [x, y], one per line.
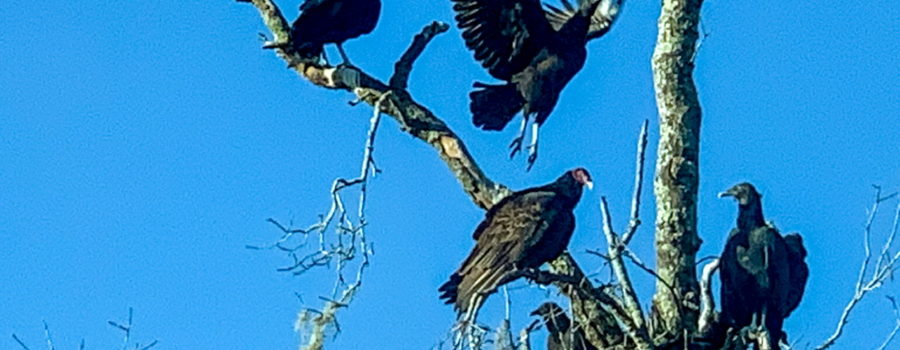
[332, 22]
[522, 231]
[562, 335]
[536, 52]
[762, 275]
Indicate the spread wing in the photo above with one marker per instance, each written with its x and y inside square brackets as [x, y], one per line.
[503, 240]
[601, 21]
[504, 34]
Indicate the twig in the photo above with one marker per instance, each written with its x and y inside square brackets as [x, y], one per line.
[21, 343]
[403, 67]
[47, 336]
[640, 335]
[883, 268]
[894, 331]
[525, 335]
[638, 185]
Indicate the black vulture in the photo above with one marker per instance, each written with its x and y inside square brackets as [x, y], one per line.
[536, 52]
[521, 232]
[563, 336]
[763, 274]
[332, 21]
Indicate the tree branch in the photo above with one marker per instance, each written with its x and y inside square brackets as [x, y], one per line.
[707, 302]
[677, 174]
[414, 118]
[632, 305]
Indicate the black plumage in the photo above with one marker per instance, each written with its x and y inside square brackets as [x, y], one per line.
[536, 52]
[332, 22]
[563, 336]
[763, 274]
[522, 231]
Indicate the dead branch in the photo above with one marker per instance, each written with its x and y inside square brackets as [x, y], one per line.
[883, 268]
[414, 118]
[632, 304]
[707, 303]
[635, 220]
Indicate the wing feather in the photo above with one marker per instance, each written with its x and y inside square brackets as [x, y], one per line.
[503, 34]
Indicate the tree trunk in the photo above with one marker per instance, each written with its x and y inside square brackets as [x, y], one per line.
[675, 186]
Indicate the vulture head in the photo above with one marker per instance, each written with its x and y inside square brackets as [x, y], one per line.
[554, 317]
[744, 193]
[581, 176]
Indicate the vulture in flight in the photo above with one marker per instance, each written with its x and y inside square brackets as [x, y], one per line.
[563, 336]
[763, 274]
[521, 232]
[533, 50]
[332, 21]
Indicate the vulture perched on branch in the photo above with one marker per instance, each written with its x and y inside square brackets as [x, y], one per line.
[563, 336]
[763, 274]
[536, 52]
[521, 232]
[332, 22]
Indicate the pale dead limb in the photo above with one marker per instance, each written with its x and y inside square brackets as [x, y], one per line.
[635, 220]
[632, 306]
[869, 280]
[707, 303]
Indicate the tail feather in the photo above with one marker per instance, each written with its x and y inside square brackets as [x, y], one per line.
[493, 106]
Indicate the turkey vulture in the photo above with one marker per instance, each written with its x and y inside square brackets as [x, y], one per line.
[562, 335]
[521, 232]
[332, 21]
[534, 51]
[763, 274]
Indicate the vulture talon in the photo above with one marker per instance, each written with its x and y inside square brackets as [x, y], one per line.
[515, 146]
[532, 156]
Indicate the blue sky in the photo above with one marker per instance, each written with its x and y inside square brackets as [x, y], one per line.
[143, 144]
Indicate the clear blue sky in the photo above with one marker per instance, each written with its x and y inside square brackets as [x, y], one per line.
[144, 143]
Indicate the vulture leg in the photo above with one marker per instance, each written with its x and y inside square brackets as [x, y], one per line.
[533, 148]
[516, 144]
[340, 47]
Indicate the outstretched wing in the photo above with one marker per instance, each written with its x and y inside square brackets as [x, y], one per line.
[601, 21]
[504, 34]
[504, 239]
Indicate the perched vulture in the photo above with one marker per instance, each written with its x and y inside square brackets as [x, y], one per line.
[534, 51]
[763, 274]
[521, 232]
[332, 21]
[562, 335]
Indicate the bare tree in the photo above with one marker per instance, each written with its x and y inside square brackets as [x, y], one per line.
[683, 308]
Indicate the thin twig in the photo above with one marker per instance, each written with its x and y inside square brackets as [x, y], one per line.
[883, 269]
[635, 220]
[48, 337]
[894, 331]
[21, 343]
